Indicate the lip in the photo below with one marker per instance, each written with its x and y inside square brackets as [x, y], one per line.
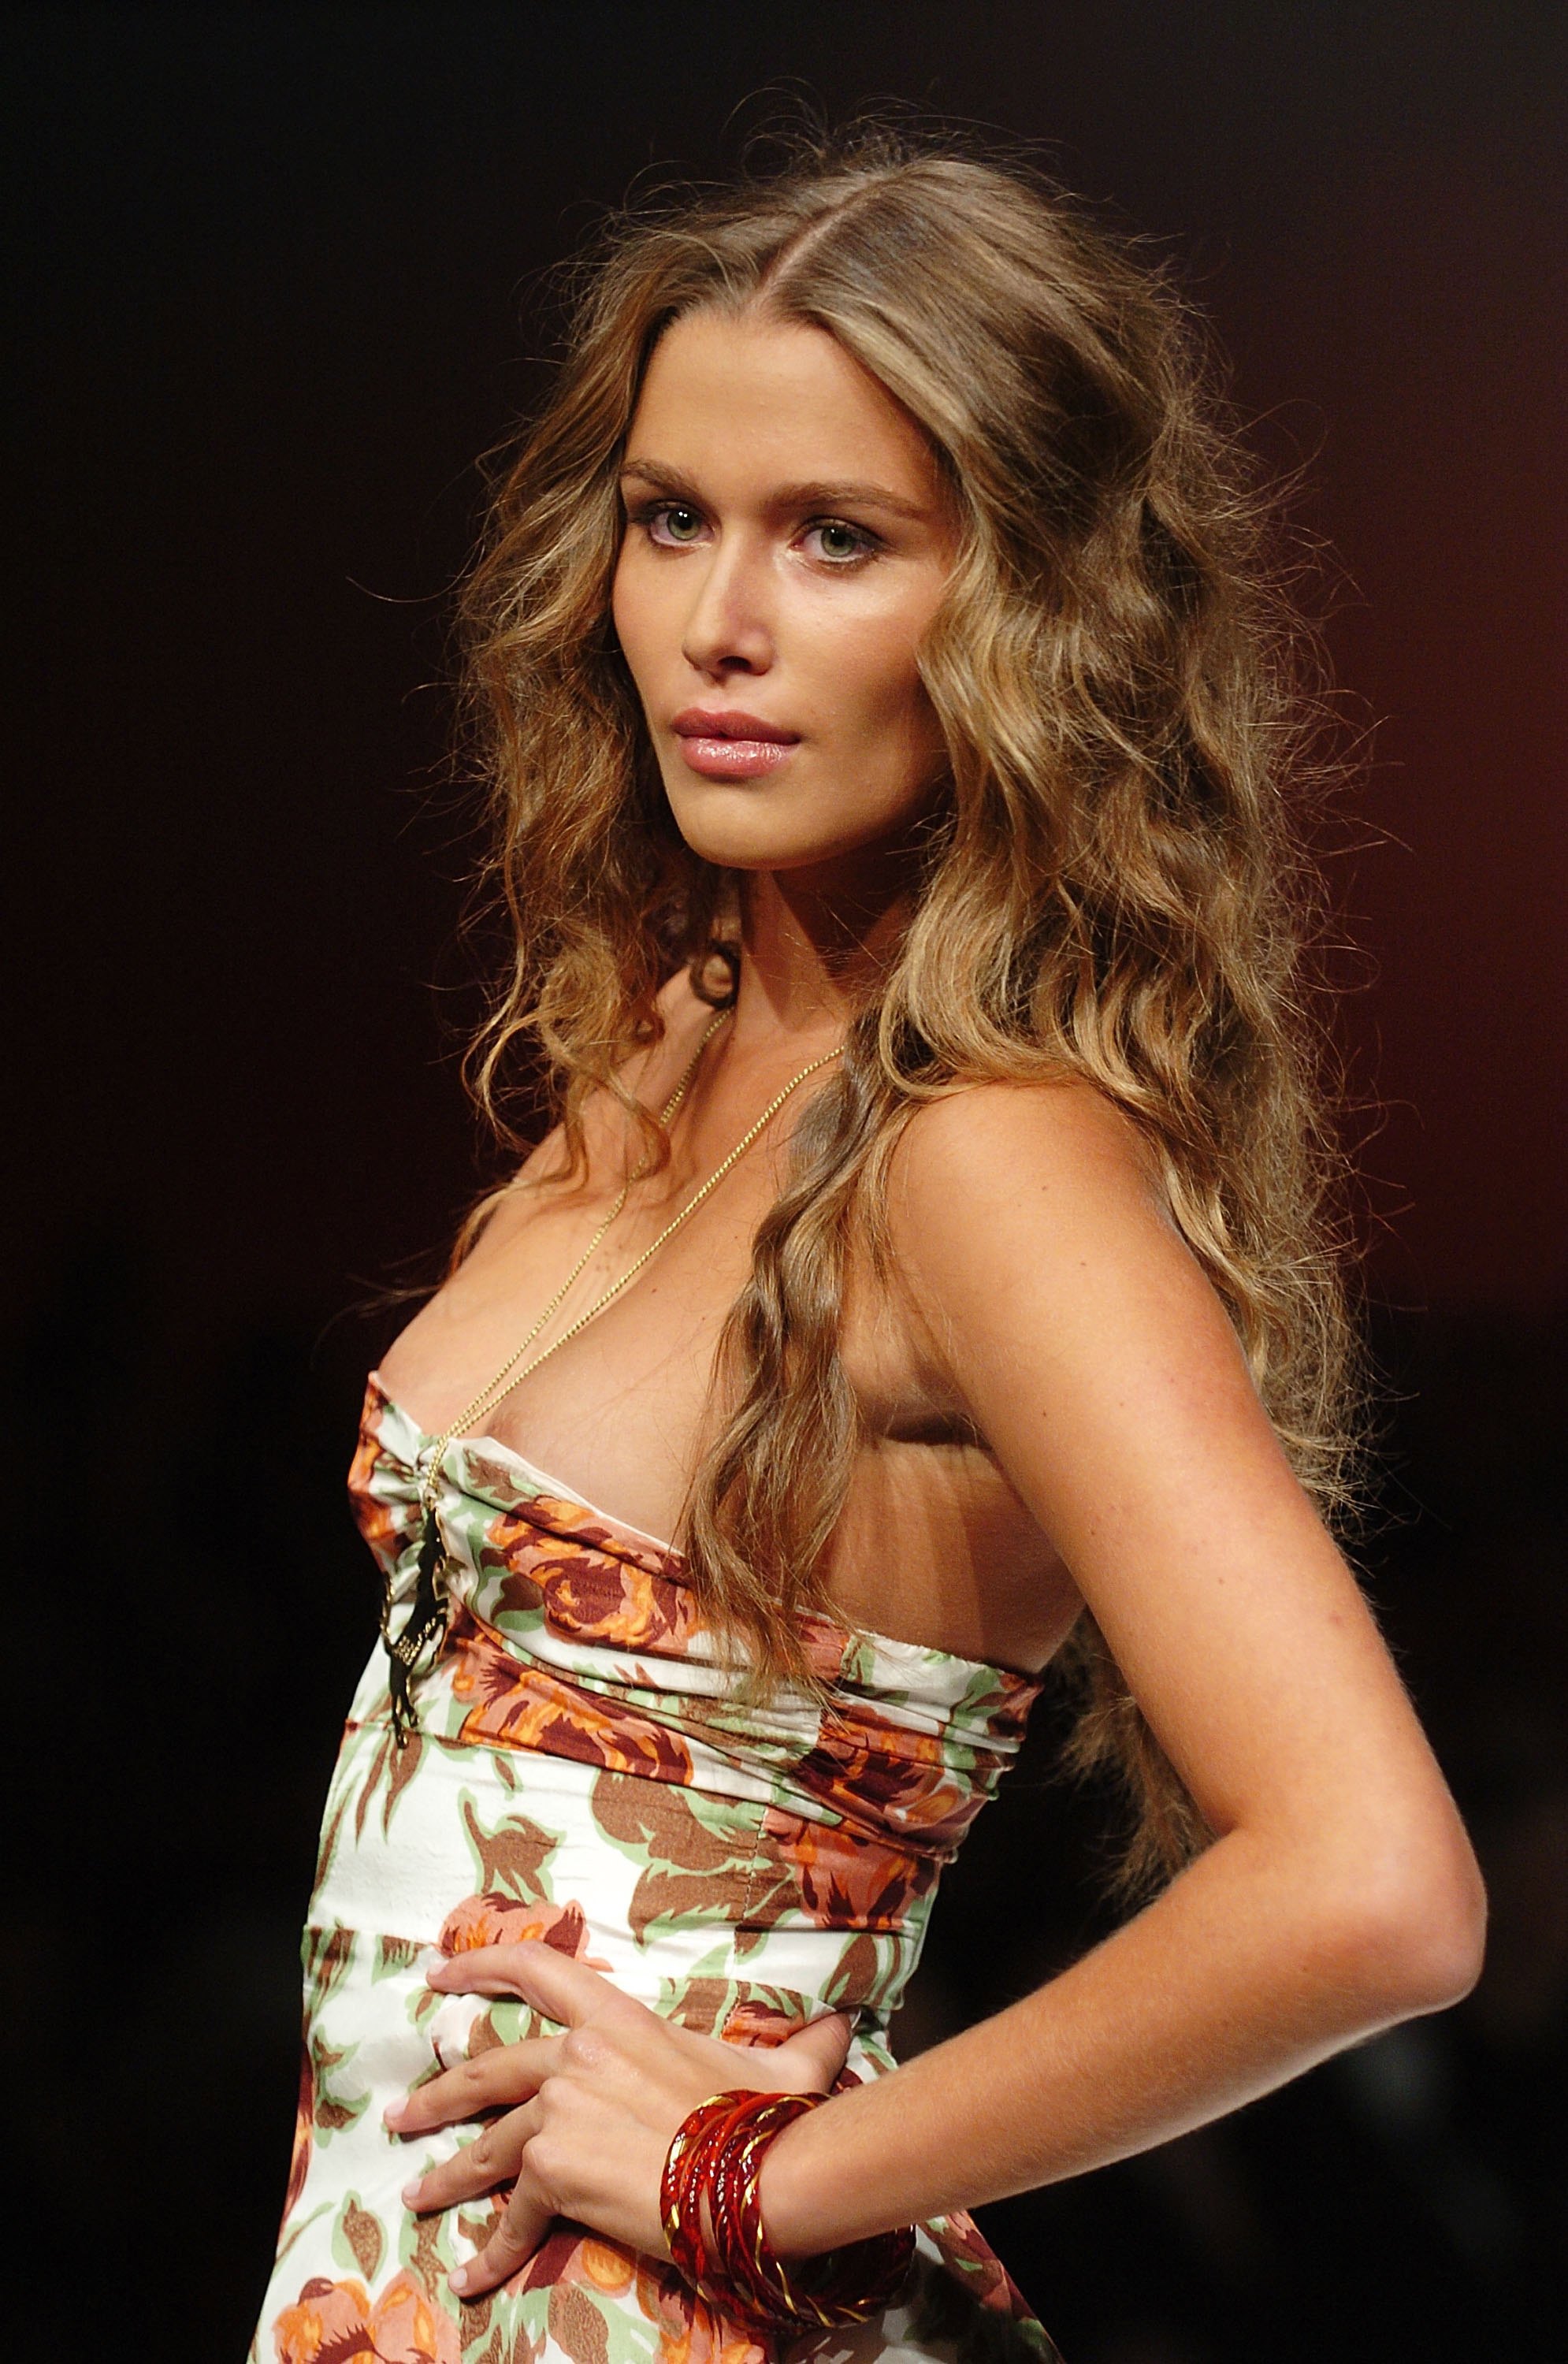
[724, 743]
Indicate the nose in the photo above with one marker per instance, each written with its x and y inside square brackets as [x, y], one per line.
[729, 626]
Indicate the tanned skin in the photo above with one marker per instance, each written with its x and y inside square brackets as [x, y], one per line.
[1056, 1412]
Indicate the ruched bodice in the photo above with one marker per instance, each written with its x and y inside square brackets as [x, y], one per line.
[586, 1771]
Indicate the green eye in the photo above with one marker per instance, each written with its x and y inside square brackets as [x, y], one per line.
[839, 542]
[682, 524]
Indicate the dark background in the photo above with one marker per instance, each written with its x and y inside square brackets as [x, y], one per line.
[274, 298]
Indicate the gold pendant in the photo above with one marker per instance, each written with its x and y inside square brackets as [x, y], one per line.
[424, 1628]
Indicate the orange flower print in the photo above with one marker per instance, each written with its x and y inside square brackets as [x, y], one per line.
[753, 2021]
[628, 1599]
[847, 1881]
[338, 2323]
[690, 2332]
[589, 2282]
[585, 1775]
[571, 2266]
[601, 1599]
[503, 1921]
[523, 1705]
[896, 1782]
[384, 1520]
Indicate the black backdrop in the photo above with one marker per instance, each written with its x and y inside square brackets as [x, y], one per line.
[271, 300]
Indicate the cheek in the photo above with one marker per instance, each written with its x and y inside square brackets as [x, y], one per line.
[633, 614]
[876, 679]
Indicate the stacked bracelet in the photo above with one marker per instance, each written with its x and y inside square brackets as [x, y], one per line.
[717, 2157]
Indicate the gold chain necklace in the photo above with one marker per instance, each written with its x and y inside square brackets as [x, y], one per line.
[426, 1623]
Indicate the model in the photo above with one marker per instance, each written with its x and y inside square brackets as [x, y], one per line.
[893, 740]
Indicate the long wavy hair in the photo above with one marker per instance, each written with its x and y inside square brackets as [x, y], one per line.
[1114, 889]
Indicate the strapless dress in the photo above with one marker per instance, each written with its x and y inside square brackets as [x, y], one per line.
[583, 1773]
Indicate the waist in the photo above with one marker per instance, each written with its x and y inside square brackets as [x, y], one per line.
[715, 1908]
[530, 1767]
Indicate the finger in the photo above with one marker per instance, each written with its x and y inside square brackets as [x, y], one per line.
[493, 2157]
[492, 2080]
[564, 1990]
[813, 2057]
[524, 2223]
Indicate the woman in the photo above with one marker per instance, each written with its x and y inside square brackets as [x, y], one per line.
[891, 754]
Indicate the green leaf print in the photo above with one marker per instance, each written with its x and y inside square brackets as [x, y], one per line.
[393, 1955]
[477, 2229]
[511, 1857]
[507, 2019]
[333, 2112]
[328, 1848]
[710, 2003]
[424, 2245]
[576, 2325]
[870, 1973]
[699, 1864]
[501, 2347]
[357, 2237]
[397, 1767]
[326, 1954]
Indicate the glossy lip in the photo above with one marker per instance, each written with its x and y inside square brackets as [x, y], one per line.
[729, 722]
[725, 743]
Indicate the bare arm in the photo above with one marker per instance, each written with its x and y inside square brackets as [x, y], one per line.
[1053, 1300]
[1340, 1893]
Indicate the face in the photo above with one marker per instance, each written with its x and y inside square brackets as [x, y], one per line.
[786, 545]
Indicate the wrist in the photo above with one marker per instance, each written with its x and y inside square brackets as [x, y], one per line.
[769, 2277]
[790, 2191]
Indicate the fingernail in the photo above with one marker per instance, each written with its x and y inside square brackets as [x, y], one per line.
[392, 2114]
[458, 2278]
[410, 2191]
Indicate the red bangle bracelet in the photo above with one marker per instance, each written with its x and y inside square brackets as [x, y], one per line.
[717, 2157]
[688, 2173]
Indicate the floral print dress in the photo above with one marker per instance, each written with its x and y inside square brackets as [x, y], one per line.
[583, 1773]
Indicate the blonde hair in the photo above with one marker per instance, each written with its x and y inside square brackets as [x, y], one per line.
[1113, 892]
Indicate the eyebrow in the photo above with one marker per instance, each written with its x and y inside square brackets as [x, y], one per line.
[819, 493]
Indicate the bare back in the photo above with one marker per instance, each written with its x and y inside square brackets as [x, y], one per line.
[934, 1545]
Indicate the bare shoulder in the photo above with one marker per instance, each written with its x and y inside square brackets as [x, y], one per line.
[1028, 1222]
[1039, 1153]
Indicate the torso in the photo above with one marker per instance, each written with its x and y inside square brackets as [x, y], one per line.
[934, 1547]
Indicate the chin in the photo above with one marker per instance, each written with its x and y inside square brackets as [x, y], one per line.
[761, 850]
[749, 838]
[748, 831]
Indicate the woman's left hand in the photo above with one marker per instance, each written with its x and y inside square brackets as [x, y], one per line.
[590, 2115]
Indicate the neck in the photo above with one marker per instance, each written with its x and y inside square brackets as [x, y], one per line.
[814, 943]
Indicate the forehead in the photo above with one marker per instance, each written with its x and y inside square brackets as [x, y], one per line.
[754, 396]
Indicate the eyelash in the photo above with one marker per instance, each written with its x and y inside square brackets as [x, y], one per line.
[870, 544]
